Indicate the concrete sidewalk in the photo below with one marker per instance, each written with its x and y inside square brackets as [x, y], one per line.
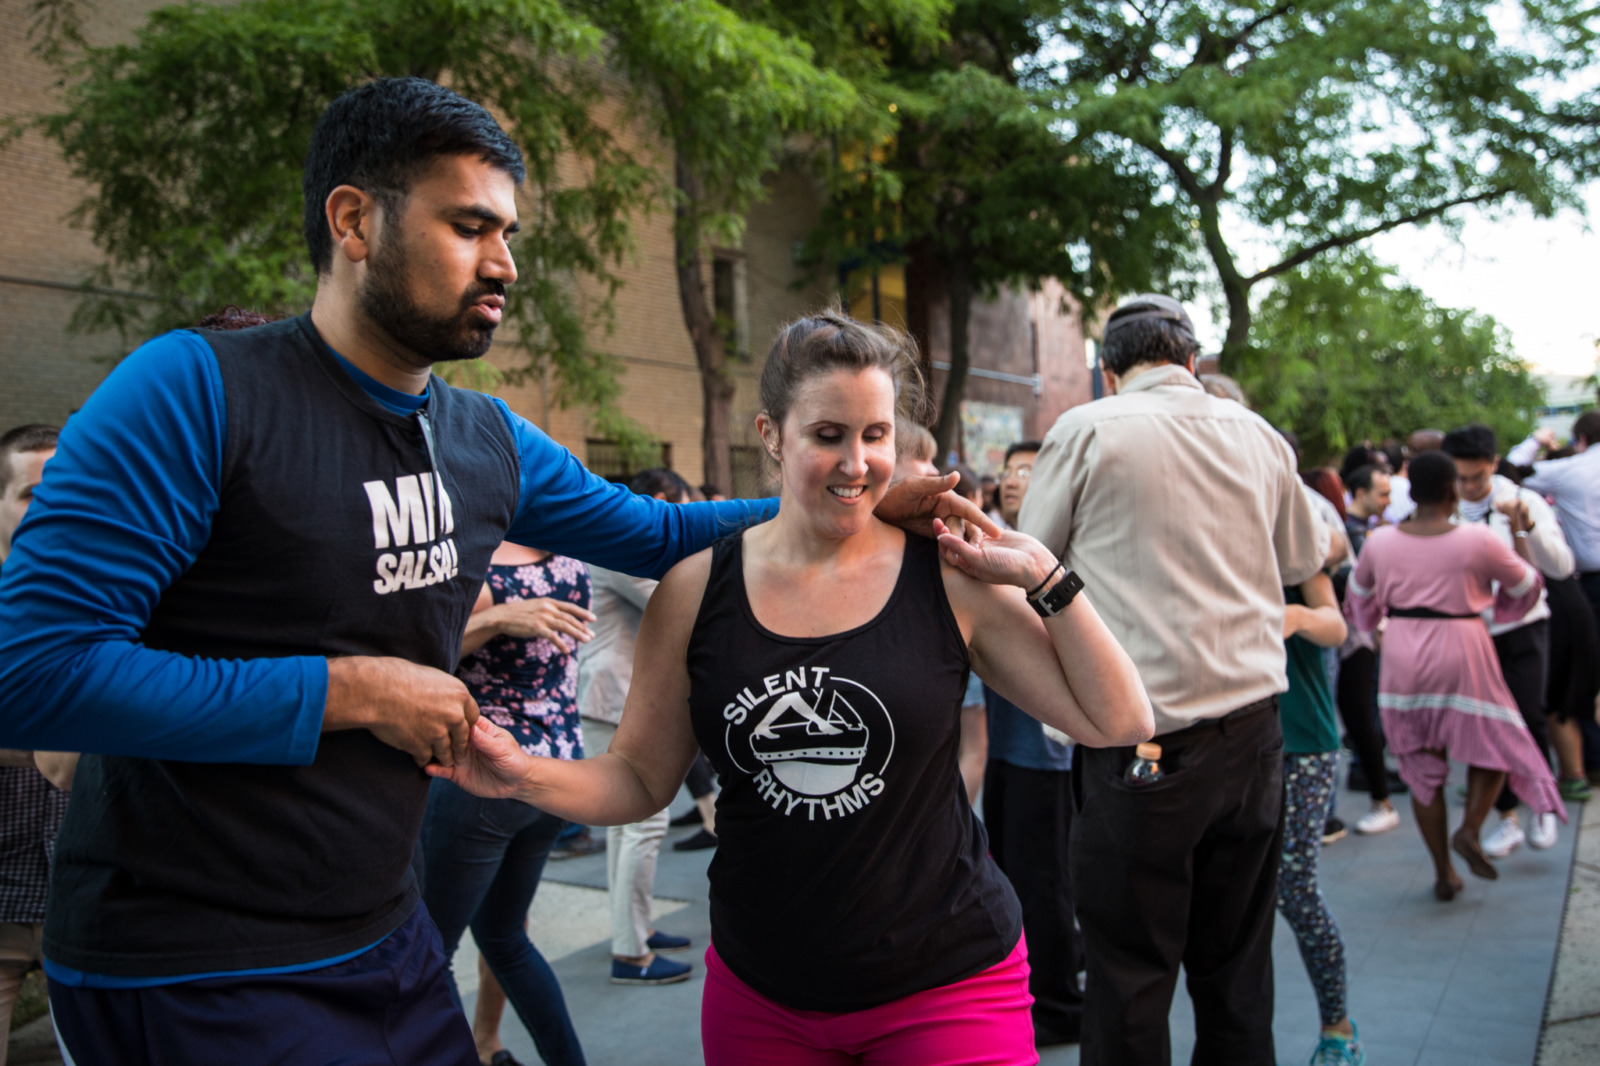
[1430, 983]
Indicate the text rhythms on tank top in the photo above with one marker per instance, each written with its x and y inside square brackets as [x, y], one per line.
[851, 871]
[530, 687]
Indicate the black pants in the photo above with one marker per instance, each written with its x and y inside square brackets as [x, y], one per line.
[1355, 698]
[1184, 870]
[1524, 655]
[1589, 727]
[1028, 814]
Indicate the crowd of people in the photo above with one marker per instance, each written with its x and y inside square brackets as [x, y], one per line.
[328, 655]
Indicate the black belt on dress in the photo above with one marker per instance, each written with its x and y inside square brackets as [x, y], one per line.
[1424, 612]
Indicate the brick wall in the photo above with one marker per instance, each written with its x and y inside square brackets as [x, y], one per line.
[45, 371]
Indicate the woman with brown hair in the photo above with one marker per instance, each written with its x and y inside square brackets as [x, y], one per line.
[820, 662]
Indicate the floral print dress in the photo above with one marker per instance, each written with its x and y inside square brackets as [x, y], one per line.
[530, 687]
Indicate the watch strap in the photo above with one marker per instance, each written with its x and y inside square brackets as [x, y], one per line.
[1055, 600]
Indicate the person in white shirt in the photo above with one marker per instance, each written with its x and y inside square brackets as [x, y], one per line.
[1573, 486]
[1523, 646]
[605, 673]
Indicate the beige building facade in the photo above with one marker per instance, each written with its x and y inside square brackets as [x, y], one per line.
[1028, 348]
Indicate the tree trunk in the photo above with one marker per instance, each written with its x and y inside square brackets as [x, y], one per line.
[1234, 285]
[1238, 336]
[710, 347]
[922, 276]
[955, 387]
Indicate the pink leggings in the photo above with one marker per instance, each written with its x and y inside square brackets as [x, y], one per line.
[985, 1020]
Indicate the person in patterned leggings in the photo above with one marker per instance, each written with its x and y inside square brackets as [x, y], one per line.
[1312, 622]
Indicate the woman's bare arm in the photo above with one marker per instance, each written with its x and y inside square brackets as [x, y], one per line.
[654, 745]
[1067, 671]
[1318, 619]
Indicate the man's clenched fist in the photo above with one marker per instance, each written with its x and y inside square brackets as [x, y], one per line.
[426, 713]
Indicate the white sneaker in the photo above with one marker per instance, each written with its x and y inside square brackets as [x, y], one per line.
[1542, 834]
[1380, 819]
[1506, 838]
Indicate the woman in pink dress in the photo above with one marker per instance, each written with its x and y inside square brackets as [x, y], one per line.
[1440, 691]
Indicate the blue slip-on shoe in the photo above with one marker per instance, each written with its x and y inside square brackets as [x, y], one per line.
[1335, 1050]
[659, 972]
[660, 941]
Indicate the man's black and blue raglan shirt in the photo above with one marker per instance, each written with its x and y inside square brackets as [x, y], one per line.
[226, 512]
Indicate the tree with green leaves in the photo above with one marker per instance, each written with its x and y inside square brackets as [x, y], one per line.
[1345, 351]
[729, 87]
[1316, 124]
[192, 138]
[980, 190]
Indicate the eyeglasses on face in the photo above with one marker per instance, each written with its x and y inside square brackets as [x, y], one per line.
[1016, 473]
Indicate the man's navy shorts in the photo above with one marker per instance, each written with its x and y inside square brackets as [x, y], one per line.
[386, 1007]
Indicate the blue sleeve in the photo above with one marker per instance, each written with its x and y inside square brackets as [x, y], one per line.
[125, 507]
[568, 510]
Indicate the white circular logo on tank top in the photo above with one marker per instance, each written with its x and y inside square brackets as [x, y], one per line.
[816, 744]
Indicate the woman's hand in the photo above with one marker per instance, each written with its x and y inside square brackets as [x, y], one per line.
[916, 504]
[494, 768]
[1295, 619]
[543, 617]
[1011, 558]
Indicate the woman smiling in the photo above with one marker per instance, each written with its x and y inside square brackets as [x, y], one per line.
[820, 662]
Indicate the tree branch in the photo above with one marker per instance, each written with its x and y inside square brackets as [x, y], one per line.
[1224, 163]
[1187, 179]
[1311, 251]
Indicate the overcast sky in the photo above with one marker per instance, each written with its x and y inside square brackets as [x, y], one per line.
[1538, 278]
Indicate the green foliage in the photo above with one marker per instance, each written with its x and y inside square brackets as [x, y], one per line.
[1345, 351]
[976, 170]
[192, 138]
[1322, 122]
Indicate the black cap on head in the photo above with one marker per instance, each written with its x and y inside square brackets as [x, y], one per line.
[1148, 328]
[1145, 307]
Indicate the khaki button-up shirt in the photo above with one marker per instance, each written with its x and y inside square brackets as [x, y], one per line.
[1184, 516]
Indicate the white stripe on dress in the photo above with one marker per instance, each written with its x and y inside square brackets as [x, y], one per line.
[1422, 701]
[1528, 578]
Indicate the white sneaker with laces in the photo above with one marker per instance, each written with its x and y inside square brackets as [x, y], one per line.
[1506, 838]
[1380, 819]
[1542, 834]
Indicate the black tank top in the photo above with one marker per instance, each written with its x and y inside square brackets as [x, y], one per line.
[851, 869]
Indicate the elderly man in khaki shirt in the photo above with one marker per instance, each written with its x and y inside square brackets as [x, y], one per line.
[1184, 514]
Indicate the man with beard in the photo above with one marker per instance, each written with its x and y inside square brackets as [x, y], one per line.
[278, 534]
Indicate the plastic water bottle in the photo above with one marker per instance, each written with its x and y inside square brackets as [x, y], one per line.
[1146, 766]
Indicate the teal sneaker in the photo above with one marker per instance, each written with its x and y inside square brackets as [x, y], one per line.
[1336, 1050]
[1576, 789]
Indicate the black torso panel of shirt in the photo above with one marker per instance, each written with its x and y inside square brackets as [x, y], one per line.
[851, 871]
[339, 532]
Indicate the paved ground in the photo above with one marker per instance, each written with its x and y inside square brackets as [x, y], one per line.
[1430, 983]
[1572, 1015]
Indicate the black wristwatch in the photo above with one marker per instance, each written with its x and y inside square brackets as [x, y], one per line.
[1060, 594]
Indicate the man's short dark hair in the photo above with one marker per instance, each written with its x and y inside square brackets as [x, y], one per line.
[1147, 329]
[1360, 479]
[381, 136]
[659, 479]
[1588, 427]
[1358, 456]
[1475, 441]
[1021, 446]
[33, 437]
